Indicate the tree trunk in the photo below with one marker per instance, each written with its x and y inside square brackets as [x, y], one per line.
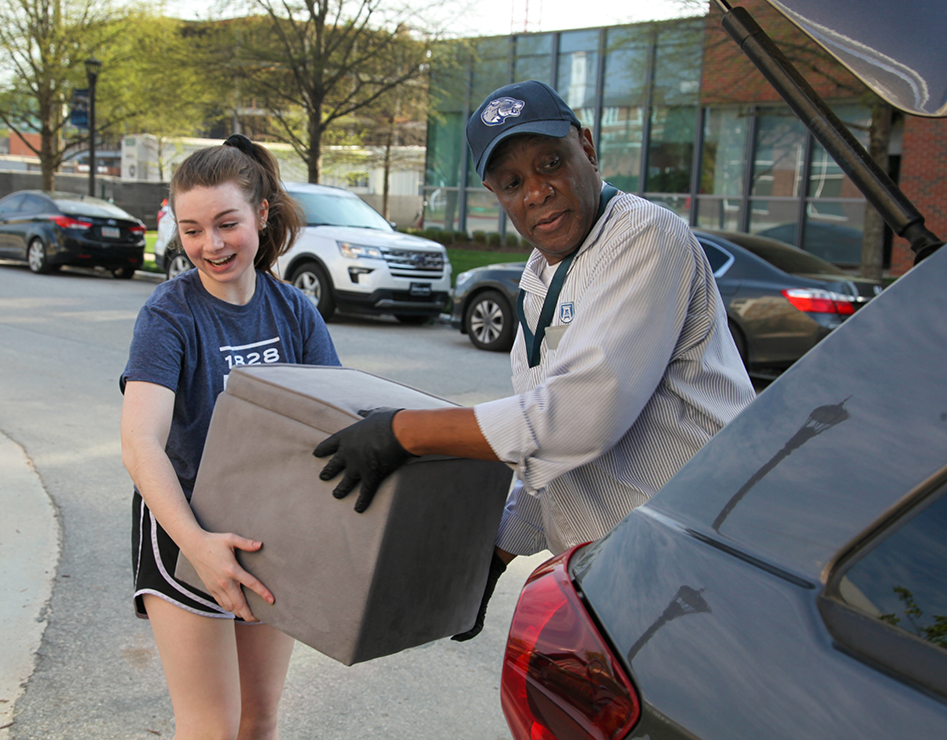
[386, 208]
[47, 142]
[314, 163]
[879, 134]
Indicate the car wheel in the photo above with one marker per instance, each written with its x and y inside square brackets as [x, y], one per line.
[489, 322]
[739, 340]
[124, 273]
[177, 264]
[411, 319]
[36, 257]
[312, 280]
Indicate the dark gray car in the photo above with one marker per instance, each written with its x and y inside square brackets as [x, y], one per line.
[791, 580]
[48, 230]
[780, 300]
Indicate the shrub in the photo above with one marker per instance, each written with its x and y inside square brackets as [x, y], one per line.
[479, 237]
[512, 240]
[494, 239]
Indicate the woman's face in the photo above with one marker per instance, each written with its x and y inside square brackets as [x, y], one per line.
[219, 231]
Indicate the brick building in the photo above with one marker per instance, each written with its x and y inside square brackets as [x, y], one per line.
[680, 116]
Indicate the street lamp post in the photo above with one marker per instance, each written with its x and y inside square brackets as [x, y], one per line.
[92, 67]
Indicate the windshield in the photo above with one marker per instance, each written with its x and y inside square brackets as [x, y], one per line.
[322, 209]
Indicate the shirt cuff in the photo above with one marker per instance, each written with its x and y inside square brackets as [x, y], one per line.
[521, 528]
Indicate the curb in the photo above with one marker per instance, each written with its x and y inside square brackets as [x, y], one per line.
[29, 554]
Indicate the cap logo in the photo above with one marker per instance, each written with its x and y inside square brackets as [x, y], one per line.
[497, 111]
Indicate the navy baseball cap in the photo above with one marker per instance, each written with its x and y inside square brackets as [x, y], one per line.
[529, 107]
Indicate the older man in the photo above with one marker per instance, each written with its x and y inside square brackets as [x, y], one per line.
[623, 366]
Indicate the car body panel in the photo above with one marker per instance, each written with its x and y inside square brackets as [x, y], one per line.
[710, 591]
[907, 69]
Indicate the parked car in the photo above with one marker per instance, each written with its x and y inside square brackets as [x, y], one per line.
[48, 229]
[780, 300]
[791, 580]
[350, 258]
[484, 305]
[169, 257]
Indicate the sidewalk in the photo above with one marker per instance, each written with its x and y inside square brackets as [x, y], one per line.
[29, 553]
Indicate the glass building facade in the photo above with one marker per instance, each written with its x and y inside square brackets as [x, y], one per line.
[739, 167]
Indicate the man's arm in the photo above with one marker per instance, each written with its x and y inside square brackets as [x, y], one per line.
[370, 450]
[442, 432]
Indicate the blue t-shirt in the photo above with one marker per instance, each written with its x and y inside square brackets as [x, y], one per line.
[187, 340]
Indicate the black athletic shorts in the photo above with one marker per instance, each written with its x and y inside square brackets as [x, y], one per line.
[154, 557]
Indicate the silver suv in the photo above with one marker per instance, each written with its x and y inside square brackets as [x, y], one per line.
[350, 258]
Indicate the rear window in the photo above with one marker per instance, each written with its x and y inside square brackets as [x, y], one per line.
[903, 579]
[339, 210]
[91, 207]
[787, 258]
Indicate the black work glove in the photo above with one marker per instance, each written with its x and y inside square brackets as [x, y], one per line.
[497, 569]
[367, 451]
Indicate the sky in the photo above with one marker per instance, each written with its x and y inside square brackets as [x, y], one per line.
[501, 17]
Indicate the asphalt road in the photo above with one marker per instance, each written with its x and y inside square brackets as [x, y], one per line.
[96, 674]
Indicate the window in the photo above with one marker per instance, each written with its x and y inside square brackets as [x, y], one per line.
[889, 601]
[578, 67]
[677, 65]
[718, 259]
[533, 58]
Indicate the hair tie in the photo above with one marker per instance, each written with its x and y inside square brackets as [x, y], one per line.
[241, 142]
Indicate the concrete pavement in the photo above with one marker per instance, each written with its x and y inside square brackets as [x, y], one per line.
[29, 554]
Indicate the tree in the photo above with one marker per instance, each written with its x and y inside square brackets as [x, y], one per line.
[45, 44]
[161, 78]
[151, 79]
[318, 63]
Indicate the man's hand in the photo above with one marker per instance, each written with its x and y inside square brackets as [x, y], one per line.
[497, 569]
[366, 451]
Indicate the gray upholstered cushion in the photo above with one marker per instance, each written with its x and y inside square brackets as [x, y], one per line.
[354, 586]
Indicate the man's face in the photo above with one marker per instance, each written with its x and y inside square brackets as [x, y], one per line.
[549, 188]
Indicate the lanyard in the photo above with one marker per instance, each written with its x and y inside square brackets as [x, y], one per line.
[534, 342]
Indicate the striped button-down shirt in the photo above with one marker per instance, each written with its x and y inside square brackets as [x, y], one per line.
[638, 370]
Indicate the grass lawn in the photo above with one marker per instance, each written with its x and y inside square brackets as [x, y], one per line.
[467, 259]
[149, 264]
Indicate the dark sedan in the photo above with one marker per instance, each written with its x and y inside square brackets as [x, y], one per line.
[48, 230]
[780, 300]
[790, 581]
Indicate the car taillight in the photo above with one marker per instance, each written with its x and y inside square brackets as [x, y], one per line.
[137, 230]
[819, 301]
[560, 678]
[67, 222]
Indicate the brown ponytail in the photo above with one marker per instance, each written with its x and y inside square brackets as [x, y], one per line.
[254, 169]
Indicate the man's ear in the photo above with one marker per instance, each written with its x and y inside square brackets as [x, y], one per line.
[585, 138]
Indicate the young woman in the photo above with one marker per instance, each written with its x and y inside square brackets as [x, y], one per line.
[225, 670]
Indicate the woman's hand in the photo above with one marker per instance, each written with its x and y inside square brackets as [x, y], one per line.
[212, 556]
